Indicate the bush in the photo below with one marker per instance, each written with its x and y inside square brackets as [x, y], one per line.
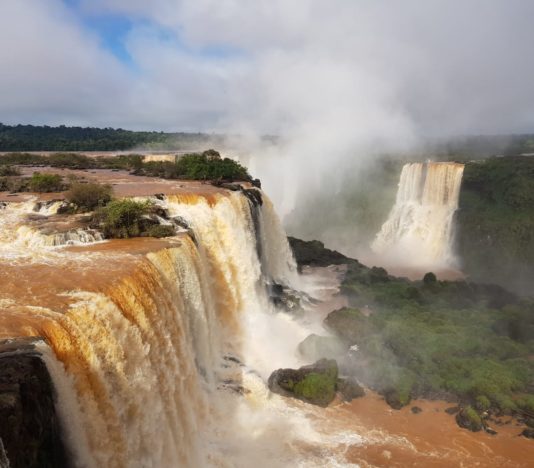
[46, 182]
[122, 218]
[9, 171]
[482, 403]
[209, 166]
[429, 278]
[160, 230]
[71, 160]
[88, 197]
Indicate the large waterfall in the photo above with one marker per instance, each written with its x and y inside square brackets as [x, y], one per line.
[419, 229]
[159, 350]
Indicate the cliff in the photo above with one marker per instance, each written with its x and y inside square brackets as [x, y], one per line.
[29, 432]
[495, 222]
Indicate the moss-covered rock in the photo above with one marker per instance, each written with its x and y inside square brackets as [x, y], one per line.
[316, 347]
[468, 418]
[315, 384]
[314, 253]
[349, 388]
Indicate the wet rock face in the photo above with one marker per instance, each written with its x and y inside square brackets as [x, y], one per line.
[29, 427]
[314, 253]
[315, 384]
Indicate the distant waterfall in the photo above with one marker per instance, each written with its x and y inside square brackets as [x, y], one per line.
[418, 231]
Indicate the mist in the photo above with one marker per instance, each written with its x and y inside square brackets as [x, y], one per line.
[339, 83]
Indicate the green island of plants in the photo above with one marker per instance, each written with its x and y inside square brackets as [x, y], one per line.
[207, 165]
[463, 342]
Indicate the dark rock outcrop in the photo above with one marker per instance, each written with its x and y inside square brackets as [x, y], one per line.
[314, 253]
[315, 384]
[468, 418]
[29, 427]
[415, 409]
[349, 388]
[315, 347]
[283, 297]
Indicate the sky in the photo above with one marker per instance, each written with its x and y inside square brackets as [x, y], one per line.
[359, 70]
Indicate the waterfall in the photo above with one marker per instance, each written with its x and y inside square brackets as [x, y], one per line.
[149, 360]
[418, 231]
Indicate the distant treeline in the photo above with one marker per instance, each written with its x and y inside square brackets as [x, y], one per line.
[62, 138]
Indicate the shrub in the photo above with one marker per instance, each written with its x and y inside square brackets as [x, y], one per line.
[46, 182]
[88, 197]
[9, 171]
[160, 230]
[71, 160]
[122, 218]
[482, 403]
[209, 166]
[429, 278]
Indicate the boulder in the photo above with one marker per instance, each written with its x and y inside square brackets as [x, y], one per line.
[468, 418]
[528, 432]
[415, 409]
[314, 384]
[314, 253]
[349, 388]
[315, 347]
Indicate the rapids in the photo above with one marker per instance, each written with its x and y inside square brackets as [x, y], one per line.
[159, 349]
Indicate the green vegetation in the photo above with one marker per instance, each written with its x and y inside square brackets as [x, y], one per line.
[88, 197]
[438, 339]
[62, 138]
[46, 183]
[195, 166]
[123, 218]
[320, 388]
[8, 171]
[160, 230]
[495, 222]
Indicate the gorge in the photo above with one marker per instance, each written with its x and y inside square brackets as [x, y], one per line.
[159, 350]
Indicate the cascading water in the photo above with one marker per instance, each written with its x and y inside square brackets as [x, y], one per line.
[418, 231]
[163, 364]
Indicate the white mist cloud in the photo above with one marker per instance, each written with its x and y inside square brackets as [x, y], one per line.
[337, 80]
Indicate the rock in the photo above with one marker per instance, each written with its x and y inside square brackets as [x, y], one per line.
[468, 418]
[348, 324]
[29, 428]
[256, 183]
[159, 196]
[254, 196]
[283, 297]
[349, 388]
[395, 399]
[315, 384]
[452, 410]
[315, 347]
[490, 431]
[528, 432]
[314, 253]
[415, 409]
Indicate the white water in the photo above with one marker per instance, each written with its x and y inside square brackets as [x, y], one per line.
[140, 369]
[419, 229]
